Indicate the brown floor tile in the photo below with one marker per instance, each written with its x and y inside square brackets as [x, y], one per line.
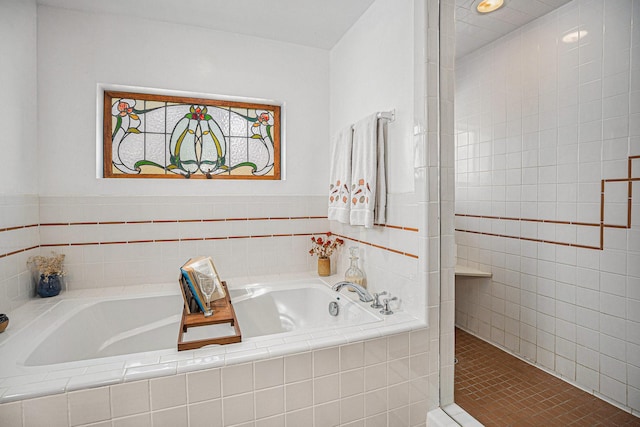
[501, 390]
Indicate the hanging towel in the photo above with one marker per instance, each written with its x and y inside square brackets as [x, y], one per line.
[340, 176]
[368, 181]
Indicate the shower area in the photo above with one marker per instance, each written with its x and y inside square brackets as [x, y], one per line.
[547, 131]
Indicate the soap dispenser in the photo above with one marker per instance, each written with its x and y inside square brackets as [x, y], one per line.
[353, 273]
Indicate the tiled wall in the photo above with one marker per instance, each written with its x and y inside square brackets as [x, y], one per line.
[18, 241]
[382, 382]
[115, 241]
[443, 198]
[546, 126]
[388, 254]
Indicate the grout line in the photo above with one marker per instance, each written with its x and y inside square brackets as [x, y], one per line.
[530, 239]
[602, 225]
[177, 221]
[191, 239]
[408, 254]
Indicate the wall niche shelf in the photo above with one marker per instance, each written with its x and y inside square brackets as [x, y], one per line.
[464, 271]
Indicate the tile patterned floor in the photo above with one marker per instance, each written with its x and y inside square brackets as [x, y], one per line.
[498, 389]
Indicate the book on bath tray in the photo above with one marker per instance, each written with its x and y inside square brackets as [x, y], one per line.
[194, 299]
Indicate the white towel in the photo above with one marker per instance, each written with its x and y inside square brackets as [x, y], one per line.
[368, 181]
[340, 176]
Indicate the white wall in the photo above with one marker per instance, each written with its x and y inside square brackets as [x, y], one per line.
[18, 111]
[18, 142]
[372, 69]
[540, 123]
[76, 51]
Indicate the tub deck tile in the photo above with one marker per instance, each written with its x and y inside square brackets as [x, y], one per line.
[291, 348]
[39, 389]
[246, 356]
[200, 363]
[98, 379]
[150, 371]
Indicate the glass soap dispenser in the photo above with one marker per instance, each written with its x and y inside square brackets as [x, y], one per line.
[353, 273]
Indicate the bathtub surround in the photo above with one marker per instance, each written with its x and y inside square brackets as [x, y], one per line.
[547, 150]
[381, 381]
[373, 369]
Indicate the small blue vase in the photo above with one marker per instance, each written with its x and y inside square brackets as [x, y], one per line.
[49, 286]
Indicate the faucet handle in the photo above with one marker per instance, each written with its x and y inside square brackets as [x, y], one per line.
[386, 310]
[376, 301]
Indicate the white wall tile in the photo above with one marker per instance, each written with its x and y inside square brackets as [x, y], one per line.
[351, 408]
[207, 413]
[298, 367]
[172, 417]
[129, 398]
[238, 408]
[566, 126]
[167, 392]
[298, 395]
[50, 410]
[327, 414]
[269, 373]
[326, 361]
[352, 355]
[140, 420]
[237, 379]
[89, 406]
[269, 402]
[302, 417]
[203, 385]
[326, 389]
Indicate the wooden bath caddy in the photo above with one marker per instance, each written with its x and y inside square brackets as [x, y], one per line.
[223, 312]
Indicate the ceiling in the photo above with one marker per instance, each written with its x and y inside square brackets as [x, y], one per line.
[313, 23]
[474, 30]
[307, 22]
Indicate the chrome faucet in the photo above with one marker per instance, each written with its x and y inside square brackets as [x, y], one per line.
[363, 294]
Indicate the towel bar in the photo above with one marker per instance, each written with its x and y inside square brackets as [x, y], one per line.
[388, 115]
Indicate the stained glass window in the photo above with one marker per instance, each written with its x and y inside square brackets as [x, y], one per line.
[157, 136]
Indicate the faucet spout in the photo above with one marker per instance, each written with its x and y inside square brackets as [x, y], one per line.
[363, 294]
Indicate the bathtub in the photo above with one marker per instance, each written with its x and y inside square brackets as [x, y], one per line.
[93, 338]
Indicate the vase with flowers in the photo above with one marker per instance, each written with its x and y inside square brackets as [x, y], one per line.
[324, 248]
[47, 272]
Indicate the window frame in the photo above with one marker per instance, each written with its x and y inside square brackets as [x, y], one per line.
[107, 143]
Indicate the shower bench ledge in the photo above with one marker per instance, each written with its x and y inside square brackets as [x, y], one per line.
[464, 271]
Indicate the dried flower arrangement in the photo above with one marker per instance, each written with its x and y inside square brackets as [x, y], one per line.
[46, 266]
[324, 248]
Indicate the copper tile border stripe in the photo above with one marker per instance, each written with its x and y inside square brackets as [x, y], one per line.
[200, 239]
[19, 227]
[408, 254]
[18, 251]
[191, 239]
[186, 239]
[180, 221]
[629, 179]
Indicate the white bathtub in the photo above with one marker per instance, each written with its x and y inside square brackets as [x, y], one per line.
[99, 337]
[270, 309]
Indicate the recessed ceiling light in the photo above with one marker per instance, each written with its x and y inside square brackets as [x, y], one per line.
[574, 36]
[486, 6]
